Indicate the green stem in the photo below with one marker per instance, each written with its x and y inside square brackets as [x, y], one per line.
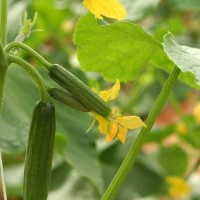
[134, 150]
[34, 73]
[32, 52]
[3, 72]
[3, 21]
[2, 178]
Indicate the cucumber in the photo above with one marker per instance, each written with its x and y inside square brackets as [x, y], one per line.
[79, 90]
[67, 99]
[38, 159]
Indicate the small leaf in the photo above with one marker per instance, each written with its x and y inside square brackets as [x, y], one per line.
[59, 175]
[173, 160]
[60, 143]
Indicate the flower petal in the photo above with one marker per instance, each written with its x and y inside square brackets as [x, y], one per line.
[108, 8]
[112, 132]
[122, 134]
[130, 122]
[111, 94]
[196, 113]
[103, 123]
[117, 132]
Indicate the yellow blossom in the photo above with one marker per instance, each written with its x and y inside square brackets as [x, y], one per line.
[108, 8]
[116, 126]
[181, 128]
[178, 186]
[196, 113]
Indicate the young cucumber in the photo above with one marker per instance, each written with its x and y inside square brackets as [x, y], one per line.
[79, 90]
[39, 153]
[67, 99]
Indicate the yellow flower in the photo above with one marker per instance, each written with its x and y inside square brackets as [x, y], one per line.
[196, 113]
[181, 128]
[178, 186]
[108, 8]
[116, 126]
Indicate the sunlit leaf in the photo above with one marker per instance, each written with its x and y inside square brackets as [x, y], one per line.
[117, 51]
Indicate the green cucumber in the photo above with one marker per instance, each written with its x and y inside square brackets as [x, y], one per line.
[67, 99]
[39, 153]
[79, 90]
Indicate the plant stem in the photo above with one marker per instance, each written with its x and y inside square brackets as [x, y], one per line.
[2, 178]
[125, 167]
[3, 72]
[3, 21]
[28, 49]
[34, 73]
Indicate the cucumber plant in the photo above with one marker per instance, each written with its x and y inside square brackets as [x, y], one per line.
[77, 95]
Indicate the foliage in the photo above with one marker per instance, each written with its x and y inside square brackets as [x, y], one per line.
[140, 52]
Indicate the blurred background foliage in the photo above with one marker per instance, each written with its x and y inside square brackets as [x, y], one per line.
[83, 164]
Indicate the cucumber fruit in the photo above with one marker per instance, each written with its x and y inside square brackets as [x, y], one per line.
[67, 99]
[79, 90]
[38, 159]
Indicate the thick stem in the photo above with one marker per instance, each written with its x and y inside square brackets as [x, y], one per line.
[28, 49]
[120, 176]
[3, 21]
[34, 73]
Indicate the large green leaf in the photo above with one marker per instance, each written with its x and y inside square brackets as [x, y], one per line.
[186, 58]
[117, 51]
[20, 98]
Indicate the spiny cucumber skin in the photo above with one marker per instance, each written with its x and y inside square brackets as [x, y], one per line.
[38, 160]
[79, 90]
[67, 99]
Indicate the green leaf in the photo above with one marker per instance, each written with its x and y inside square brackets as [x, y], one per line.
[173, 160]
[59, 175]
[117, 51]
[78, 149]
[186, 58]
